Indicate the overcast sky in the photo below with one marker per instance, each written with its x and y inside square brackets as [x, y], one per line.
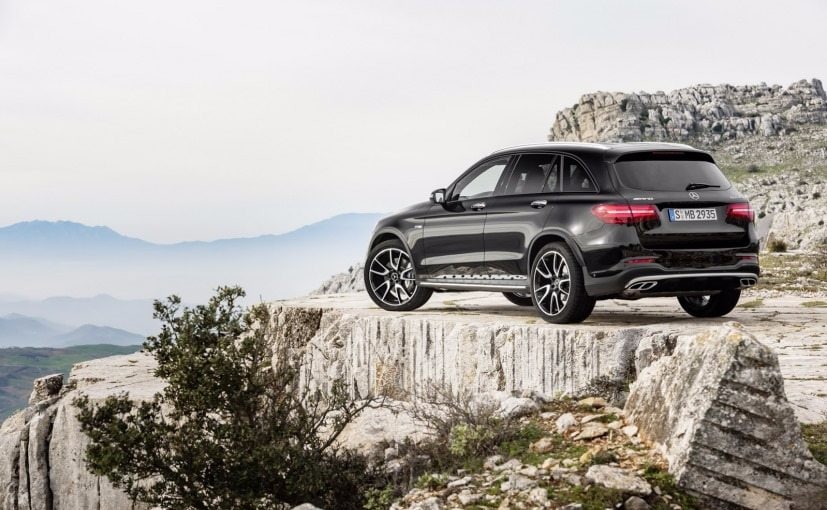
[197, 119]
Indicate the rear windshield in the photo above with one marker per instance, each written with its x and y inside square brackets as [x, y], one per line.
[669, 172]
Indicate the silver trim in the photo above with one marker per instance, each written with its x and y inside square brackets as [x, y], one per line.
[660, 277]
[472, 286]
[539, 204]
[604, 146]
[478, 206]
[478, 277]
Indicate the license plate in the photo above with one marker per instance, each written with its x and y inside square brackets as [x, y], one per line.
[693, 215]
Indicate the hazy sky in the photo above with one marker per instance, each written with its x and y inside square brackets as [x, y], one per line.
[197, 119]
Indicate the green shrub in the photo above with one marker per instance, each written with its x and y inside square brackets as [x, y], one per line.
[753, 168]
[776, 246]
[228, 431]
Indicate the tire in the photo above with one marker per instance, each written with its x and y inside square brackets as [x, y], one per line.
[519, 298]
[549, 281]
[397, 290]
[716, 305]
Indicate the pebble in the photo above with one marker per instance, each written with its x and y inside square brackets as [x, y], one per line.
[635, 503]
[565, 422]
[593, 402]
[462, 482]
[630, 430]
[592, 431]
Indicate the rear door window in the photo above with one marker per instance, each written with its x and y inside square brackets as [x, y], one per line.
[575, 178]
[676, 171]
[534, 173]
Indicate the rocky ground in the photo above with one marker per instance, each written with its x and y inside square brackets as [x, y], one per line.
[572, 455]
[795, 327]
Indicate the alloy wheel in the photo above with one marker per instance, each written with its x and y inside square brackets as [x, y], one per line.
[552, 283]
[391, 277]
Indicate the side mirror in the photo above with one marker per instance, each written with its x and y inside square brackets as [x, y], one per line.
[438, 196]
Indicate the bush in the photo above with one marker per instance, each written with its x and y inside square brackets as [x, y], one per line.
[776, 246]
[816, 195]
[753, 169]
[462, 431]
[229, 431]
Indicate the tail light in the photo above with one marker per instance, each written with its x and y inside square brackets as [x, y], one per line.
[740, 211]
[624, 214]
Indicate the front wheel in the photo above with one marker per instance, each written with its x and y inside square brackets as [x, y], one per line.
[390, 279]
[519, 298]
[557, 287]
[716, 305]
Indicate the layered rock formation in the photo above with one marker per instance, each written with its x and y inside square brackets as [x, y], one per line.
[42, 447]
[469, 349]
[401, 355]
[716, 409]
[709, 113]
[777, 134]
[351, 280]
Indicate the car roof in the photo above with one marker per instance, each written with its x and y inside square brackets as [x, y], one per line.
[610, 151]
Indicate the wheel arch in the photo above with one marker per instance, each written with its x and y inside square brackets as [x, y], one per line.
[551, 236]
[387, 234]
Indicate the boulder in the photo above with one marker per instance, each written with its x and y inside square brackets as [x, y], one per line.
[619, 479]
[716, 409]
[45, 388]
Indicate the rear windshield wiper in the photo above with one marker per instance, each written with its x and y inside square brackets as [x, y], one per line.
[700, 185]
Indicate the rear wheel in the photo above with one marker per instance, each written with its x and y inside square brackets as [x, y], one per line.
[519, 298]
[715, 305]
[390, 279]
[557, 288]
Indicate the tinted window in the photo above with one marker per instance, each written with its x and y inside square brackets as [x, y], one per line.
[481, 182]
[575, 178]
[534, 173]
[669, 173]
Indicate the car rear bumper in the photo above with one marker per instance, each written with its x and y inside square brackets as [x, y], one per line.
[654, 281]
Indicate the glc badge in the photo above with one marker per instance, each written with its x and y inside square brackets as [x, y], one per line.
[694, 196]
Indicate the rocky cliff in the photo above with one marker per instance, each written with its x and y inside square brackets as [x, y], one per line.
[709, 113]
[770, 140]
[485, 346]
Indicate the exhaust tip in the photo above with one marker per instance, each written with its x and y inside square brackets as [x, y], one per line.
[748, 282]
[642, 286]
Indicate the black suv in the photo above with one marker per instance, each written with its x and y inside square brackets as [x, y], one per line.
[561, 225]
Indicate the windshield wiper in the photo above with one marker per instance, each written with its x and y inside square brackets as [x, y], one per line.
[700, 185]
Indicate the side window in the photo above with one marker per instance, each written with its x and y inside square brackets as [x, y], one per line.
[575, 178]
[481, 182]
[534, 173]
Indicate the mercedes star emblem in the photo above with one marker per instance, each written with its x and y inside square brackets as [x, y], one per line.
[694, 196]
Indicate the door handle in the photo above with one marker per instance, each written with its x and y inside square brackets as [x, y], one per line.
[539, 204]
[478, 206]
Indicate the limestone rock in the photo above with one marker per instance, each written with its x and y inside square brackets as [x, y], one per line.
[401, 356]
[619, 479]
[351, 280]
[516, 407]
[42, 446]
[635, 503]
[705, 112]
[45, 388]
[565, 422]
[717, 411]
[592, 430]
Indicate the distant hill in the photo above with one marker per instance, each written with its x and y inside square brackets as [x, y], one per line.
[21, 331]
[65, 258]
[20, 366]
[129, 314]
[91, 334]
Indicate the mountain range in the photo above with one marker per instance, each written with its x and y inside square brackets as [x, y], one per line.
[44, 259]
[22, 331]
